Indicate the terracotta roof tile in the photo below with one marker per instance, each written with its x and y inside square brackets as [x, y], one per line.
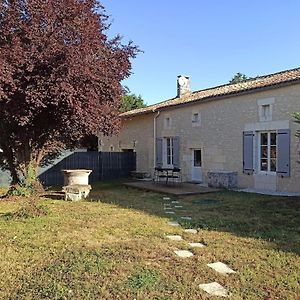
[248, 85]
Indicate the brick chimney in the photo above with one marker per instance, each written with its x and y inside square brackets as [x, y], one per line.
[183, 85]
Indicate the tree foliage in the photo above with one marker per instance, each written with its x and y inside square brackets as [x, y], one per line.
[59, 78]
[238, 77]
[131, 101]
[297, 120]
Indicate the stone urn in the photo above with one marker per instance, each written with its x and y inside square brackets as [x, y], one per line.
[76, 184]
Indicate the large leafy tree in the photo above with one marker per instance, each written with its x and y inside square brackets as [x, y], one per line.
[59, 78]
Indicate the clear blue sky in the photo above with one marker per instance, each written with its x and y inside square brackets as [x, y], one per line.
[208, 40]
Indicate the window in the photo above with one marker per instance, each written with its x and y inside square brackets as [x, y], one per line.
[197, 158]
[267, 151]
[196, 119]
[167, 123]
[169, 151]
[265, 112]
[265, 107]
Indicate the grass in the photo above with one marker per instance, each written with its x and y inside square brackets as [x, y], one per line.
[114, 247]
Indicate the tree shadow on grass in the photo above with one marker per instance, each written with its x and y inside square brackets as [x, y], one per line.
[270, 218]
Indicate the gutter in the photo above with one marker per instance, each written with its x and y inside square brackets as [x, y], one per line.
[154, 138]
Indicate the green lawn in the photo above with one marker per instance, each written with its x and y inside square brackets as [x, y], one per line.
[114, 247]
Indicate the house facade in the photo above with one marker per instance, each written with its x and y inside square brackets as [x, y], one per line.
[244, 128]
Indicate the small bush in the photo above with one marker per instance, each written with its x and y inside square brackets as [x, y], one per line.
[28, 209]
[144, 279]
[20, 190]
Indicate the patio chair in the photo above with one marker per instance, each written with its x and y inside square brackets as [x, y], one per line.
[175, 175]
[159, 173]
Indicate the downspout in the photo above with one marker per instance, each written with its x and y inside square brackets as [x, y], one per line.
[154, 138]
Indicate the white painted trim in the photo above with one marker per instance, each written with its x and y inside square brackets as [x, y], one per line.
[266, 101]
[267, 126]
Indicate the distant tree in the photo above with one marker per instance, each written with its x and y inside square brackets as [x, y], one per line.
[131, 101]
[238, 77]
[59, 79]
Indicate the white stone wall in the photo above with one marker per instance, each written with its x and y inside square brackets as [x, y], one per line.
[219, 133]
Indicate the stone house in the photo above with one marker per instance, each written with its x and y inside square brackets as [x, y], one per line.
[245, 130]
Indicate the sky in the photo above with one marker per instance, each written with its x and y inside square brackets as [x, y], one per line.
[208, 40]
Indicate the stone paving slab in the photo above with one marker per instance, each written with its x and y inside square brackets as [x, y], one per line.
[184, 253]
[167, 208]
[221, 268]
[186, 218]
[178, 206]
[173, 223]
[175, 202]
[166, 198]
[170, 212]
[197, 245]
[194, 231]
[214, 289]
[174, 237]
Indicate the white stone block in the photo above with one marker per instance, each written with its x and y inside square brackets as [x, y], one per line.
[170, 212]
[194, 231]
[184, 253]
[174, 237]
[221, 268]
[197, 245]
[173, 223]
[214, 289]
[186, 218]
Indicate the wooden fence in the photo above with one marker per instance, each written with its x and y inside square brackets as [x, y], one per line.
[104, 166]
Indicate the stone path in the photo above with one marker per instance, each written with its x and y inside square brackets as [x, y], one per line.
[212, 288]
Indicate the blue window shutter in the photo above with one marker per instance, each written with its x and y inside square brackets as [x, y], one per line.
[176, 160]
[248, 152]
[283, 152]
[159, 152]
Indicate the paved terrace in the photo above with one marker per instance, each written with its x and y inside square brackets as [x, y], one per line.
[176, 189]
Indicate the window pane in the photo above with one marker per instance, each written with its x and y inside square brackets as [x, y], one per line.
[273, 165]
[264, 152]
[264, 138]
[197, 158]
[273, 138]
[273, 151]
[264, 165]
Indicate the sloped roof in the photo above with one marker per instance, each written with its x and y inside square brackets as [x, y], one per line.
[258, 83]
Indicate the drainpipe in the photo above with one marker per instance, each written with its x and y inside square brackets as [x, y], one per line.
[154, 138]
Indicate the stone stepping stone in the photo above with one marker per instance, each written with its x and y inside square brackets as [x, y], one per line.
[214, 289]
[194, 231]
[178, 206]
[167, 208]
[221, 268]
[170, 212]
[184, 253]
[197, 245]
[166, 198]
[186, 218]
[175, 202]
[174, 237]
[173, 223]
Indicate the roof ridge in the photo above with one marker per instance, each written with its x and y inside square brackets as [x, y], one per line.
[254, 83]
[245, 80]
